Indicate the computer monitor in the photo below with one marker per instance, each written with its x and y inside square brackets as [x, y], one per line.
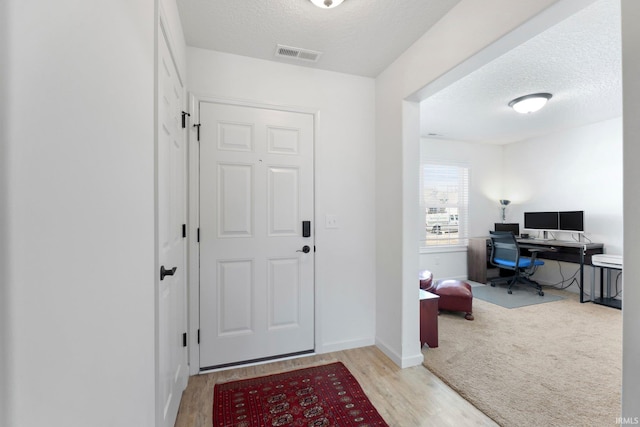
[541, 220]
[572, 221]
[512, 227]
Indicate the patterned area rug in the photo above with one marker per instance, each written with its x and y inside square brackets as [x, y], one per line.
[326, 395]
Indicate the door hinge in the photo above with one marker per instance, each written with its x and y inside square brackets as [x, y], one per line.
[184, 119]
[198, 235]
[197, 126]
[184, 230]
[198, 336]
[184, 339]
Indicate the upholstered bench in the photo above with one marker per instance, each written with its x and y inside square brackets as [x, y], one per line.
[455, 295]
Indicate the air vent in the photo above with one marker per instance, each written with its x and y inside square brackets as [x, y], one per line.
[297, 53]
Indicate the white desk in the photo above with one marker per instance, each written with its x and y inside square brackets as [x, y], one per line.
[605, 262]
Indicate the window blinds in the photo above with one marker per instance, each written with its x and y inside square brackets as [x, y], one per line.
[444, 203]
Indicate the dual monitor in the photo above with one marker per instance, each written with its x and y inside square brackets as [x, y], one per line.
[572, 221]
[563, 221]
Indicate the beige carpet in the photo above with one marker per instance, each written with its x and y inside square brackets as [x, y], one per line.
[552, 364]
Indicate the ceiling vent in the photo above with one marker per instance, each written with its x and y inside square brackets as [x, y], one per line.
[297, 53]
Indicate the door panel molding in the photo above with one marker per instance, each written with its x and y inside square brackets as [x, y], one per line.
[240, 193]
[230, 176]
[282, 143]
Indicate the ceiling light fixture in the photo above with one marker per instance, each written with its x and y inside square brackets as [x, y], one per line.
[327, 4]
[530, 103]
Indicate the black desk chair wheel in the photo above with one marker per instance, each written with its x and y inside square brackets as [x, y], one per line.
[505, 254]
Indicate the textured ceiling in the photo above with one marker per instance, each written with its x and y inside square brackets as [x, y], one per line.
[359, 37]
[577, 60]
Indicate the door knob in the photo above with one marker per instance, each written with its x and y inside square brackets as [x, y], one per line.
[306, 249]
[164, 272]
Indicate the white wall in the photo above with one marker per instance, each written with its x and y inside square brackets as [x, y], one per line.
[4, 222]
[344, 171]
[465, 30]
[80, 206]
[486, 185]
[577, 169]
[631, 151]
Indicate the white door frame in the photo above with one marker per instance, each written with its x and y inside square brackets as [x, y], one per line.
[193, 219]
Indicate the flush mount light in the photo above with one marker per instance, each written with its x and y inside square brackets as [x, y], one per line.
[327, 4]
[530, 103]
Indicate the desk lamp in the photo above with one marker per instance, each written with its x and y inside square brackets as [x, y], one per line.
[504, 203]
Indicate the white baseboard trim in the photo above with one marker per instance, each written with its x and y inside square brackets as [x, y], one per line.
[389, 352]
[344, 345]
[414, 360]
[403, 362]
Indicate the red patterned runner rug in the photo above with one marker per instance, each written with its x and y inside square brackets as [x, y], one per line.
[326, 395]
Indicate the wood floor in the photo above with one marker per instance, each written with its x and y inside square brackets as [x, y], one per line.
[409, 397]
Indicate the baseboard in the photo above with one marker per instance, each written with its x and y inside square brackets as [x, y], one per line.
[403, 362]
[414, 360]
[344, 345]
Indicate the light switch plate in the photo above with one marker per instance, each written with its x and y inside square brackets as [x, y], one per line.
[331, 221]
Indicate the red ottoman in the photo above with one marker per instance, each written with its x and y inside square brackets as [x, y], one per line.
[455, 295]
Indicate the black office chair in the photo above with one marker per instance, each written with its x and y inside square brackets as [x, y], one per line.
[505, 254]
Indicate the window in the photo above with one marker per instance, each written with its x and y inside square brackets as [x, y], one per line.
[444, 204]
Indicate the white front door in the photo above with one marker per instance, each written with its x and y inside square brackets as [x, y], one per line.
[256, 218]
[172, 355]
